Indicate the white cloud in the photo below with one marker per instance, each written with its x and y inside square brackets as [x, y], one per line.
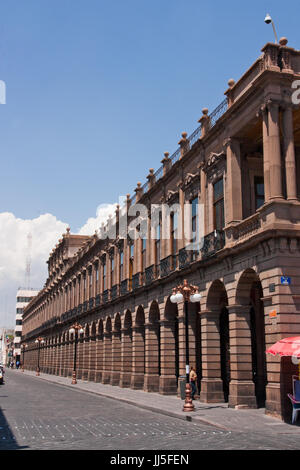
[94, 223]
[45, 230]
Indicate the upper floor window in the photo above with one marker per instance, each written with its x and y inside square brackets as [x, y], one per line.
[174, 228]
[24, 299]
[157, 241]
[121, 265]
[112, 267]
[144, 243]
[218, 194]
[104, 275]
[259, 191]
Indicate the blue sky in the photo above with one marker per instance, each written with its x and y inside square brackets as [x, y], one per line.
[96, 92]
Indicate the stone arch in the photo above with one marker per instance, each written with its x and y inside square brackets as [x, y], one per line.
[99, 351]
[249, 293]
[107, 351]
[92, 352]
[116, 350]
[125, 376]
[216, 355]
[152, 349]
[138, 353]
[170, 348]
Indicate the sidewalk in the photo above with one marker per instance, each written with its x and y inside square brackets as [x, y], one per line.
[215, 414]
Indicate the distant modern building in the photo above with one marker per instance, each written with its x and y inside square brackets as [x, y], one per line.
[24, 296]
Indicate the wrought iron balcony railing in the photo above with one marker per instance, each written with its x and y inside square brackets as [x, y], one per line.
[97, 300]
[114, 292]
[105, 296]
[136, 281]
[149, 274]
[124, 287]
[213, 242]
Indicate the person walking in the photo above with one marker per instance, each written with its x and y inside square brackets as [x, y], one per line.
[193, 379]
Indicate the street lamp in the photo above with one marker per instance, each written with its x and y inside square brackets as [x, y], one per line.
[269, 20]
[187, 293]
[39, 341]
[75, 330]
[23, 347]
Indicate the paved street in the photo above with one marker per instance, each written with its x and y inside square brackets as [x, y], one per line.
[38, 414]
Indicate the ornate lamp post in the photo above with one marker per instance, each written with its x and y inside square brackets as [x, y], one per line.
[75, 330]
[186, 293]
[23, 347]
[39, 341]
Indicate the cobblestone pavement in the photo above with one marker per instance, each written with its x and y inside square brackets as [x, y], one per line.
[38, 414]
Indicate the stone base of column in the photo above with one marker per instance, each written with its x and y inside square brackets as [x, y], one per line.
[98, 376]
[212, 391]
[125, 379]
[65, 373]
[115, 378]
[106, 377]
[91, 376]
[273, 402]
[242, 394]
[137, 382]
[151, 383]
[79, 374]
[167, 385]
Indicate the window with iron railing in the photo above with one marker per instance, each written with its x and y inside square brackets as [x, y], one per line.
[112, 267]
[143, 254]
[121, 265]
[218, 202]
[174, 235]
[131, 261]
[104, 276]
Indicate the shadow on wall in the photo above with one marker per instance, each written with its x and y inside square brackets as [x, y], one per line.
[7, 438]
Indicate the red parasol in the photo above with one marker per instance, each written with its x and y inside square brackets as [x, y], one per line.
[287, 347]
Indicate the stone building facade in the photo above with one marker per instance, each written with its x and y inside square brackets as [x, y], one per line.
[242, 165]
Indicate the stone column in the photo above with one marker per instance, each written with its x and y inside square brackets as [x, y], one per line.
[107, 357]
[116, 357]
[266, 155]
[274, 150]
[211, 383]
[99, 358]
[85, 363]
[138, 357]
[79, 366]
[92, 361]
[152, 366]
[241, 387]
[234, 213]
[167, 381]
[289, 154]
[203, 196]
[126, 358]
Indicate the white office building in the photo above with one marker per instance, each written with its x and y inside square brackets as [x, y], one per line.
[24, 296]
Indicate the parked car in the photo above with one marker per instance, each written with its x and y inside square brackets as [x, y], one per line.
[1, 374]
